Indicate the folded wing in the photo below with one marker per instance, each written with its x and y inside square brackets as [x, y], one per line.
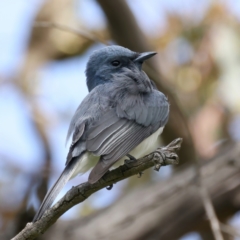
[121, 129]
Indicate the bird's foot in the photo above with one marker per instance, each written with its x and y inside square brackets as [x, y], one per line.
[111, 185]
[130, 160]
[131, 157]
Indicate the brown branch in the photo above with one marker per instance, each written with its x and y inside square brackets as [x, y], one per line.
[167, 209]
[207, 203]
[208, 206]
[230, 230]
[78, 32]
[161, 157]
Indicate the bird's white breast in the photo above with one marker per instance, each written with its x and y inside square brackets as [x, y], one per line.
[147, 146]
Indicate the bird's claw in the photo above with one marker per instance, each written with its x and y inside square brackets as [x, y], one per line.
[131, 157]
[130, 160]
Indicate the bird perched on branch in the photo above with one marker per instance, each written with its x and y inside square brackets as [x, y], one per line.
[123, 114]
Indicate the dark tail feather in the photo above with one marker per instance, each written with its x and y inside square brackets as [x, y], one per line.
[57, 187]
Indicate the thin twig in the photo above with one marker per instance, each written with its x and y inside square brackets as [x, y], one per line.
[208, 206]
[215, 226]
[79, 32]
[161, 157]
[230, 230]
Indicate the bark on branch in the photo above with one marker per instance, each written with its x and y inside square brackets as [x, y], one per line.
[167, 209]
[161, 157]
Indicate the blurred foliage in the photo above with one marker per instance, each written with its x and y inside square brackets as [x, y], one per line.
[200, 58]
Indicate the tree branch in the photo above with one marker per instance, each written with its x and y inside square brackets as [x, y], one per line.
[161, 157]
[78, 32]
[208, 206]
[166, 209]
[230, 230]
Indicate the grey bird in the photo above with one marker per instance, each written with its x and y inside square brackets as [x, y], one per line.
[123, 114]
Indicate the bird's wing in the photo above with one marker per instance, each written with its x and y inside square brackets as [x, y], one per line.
[147, 110]
[113, 146]
[121, 130]
[77, 134]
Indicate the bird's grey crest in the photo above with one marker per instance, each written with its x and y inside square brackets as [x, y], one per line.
[110, 60]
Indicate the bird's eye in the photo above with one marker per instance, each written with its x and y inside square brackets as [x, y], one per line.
[115, 63]
[135, 80]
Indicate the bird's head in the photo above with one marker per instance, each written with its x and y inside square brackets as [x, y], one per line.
[111, 60]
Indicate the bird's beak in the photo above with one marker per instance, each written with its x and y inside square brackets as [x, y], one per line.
[142, 57]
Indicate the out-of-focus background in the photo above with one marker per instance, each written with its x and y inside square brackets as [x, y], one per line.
[44, 47]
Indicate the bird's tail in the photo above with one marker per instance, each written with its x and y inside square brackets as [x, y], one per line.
[57, 187]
